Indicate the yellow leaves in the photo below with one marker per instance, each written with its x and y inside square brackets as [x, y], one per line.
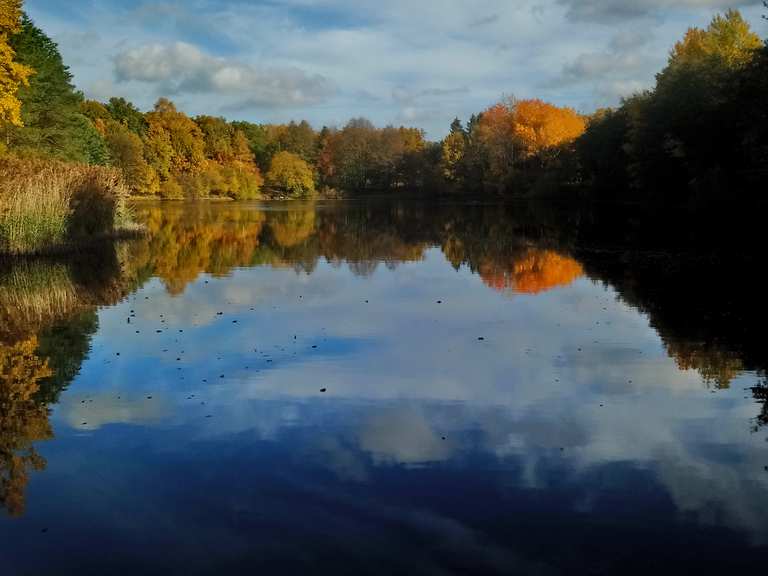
[727, 40]
[10, 16]
[292, 175]
[12, 74]
[453, 152]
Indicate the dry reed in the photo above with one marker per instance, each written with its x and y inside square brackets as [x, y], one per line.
[48, 206]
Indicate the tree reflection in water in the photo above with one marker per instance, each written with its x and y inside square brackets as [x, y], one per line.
[48, 307]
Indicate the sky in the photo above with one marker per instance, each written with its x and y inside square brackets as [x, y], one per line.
[413, 62]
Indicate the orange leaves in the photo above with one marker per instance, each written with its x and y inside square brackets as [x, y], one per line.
[533, 272]
[538, 125]
[512, 132]
[533, 125]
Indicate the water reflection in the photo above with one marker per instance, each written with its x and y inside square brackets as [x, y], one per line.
[464, 384]
[23, 420]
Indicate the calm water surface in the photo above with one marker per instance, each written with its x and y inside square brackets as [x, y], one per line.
[378, 388]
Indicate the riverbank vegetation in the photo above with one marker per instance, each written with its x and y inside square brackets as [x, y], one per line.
[701, 129]
[56, 190]
[48, 205]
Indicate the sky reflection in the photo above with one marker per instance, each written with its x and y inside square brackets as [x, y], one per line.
[277, 412]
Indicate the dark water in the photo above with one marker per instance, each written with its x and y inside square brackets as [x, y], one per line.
[382, 388]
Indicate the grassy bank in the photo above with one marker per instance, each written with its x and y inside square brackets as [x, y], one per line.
[51, 206]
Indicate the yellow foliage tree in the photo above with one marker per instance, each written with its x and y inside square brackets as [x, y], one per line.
[728, 40]
[292, 175]
[12, 74]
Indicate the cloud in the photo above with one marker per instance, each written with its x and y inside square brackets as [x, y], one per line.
[402, 435]
[614, 72]
[182, 68]
[614, 10]
[330, 60]
[406, 96]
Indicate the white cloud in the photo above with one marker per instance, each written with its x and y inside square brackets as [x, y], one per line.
[397, 61]
[183, 68]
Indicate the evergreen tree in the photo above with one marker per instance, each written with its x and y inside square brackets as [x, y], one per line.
[53, 122]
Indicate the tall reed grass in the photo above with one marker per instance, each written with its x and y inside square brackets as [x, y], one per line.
[49, 206]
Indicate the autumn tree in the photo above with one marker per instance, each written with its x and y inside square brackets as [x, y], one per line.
[185, 137]
[453, 149]
[291, 175]
[542, 129]
[300, 139]
[13, 74]
[127, 153]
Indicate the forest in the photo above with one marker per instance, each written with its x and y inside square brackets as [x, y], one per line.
[701, 130]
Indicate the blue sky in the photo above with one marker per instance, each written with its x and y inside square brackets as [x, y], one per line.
[401, 61]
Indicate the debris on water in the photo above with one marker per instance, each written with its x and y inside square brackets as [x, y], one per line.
[481, 338]
[323, 389]
[149, 397]
[439, 301]
[315, 346]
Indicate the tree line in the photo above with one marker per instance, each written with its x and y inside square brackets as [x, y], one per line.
[701, 128]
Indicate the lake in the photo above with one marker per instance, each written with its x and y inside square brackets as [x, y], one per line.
[381, 387]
